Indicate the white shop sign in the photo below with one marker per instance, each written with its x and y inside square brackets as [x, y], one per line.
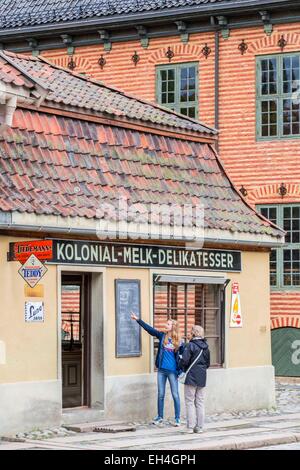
[34, 312]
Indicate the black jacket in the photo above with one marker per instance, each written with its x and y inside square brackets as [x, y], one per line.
[197, 374]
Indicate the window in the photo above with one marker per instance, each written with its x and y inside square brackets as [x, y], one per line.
[278, 94]
[177, 88]
[191, 304]
[285, 261]
[70, 314]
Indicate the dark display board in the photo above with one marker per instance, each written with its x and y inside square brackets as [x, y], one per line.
[128, 332]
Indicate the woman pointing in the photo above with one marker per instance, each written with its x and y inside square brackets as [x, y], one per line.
[167, 360]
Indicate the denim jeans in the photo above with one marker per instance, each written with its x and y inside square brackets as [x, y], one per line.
[172, 377]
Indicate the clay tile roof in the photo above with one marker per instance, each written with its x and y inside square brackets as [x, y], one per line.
[73, 91]
[9, 74]
[67, 167]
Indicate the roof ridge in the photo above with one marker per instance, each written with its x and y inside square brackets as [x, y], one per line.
[29, 77]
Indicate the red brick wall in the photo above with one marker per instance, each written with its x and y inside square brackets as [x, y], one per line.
[260, 166]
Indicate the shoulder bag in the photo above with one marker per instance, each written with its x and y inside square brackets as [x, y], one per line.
[183, 375]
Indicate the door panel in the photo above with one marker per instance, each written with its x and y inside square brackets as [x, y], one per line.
[72, 315]
[286, 352]
[72, 383]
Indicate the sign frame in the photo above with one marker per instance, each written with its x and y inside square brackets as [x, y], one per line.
[236, 317]
[42, 267]
[80, 252]
[42, 249]
[32, 303]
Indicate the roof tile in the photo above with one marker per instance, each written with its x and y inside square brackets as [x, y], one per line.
[42, 173]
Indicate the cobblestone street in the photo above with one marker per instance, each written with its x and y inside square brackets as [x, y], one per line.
[270, 429]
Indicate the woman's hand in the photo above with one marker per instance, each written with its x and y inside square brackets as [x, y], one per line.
[133, 316]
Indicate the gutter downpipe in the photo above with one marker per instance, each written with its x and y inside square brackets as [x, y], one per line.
[217, 82]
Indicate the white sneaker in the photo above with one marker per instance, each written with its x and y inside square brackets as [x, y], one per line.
[187, 431]
[197, 430]
[157, 420]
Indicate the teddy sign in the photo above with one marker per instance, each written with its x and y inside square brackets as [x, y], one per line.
[236, 320]
[32, 270]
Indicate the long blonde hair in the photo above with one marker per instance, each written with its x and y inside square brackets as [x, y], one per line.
[174, 334]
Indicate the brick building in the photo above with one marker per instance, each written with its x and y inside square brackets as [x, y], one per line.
[235, 63]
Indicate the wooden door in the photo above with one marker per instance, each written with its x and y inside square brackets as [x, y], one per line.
[286, 352]
[75, 331]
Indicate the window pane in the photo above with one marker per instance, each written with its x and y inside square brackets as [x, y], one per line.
[70, 313]
[192, 112]
[291, 117]
[270, 213]
[188, 84]
[163, 75]
[291, 267]
[291, 224]
[269, 118]
[290, 74]
[273, 268]
[264, 212]
[268, 76]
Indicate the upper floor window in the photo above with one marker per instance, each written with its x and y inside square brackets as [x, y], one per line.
[177, 88]
[285, 261]
[278, 94]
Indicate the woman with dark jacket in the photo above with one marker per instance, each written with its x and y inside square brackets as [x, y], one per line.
[167, 360]
[196, 378]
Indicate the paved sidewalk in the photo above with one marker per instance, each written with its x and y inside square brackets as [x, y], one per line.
[230, 434]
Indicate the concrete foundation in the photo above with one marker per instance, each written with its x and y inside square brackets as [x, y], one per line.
[35, 405]
[248, 388]
[25, 406]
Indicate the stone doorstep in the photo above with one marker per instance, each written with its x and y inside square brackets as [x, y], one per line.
[101, 426]
[12, 439]
[281, 381]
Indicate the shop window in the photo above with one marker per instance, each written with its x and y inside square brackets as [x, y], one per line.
[285, 261]
[278, 96]
[191, 304]
[70, 314]
[177, 88]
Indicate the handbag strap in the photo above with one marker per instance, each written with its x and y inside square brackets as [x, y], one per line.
[194, 362]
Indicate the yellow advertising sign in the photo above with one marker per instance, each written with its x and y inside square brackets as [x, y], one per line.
[236, 320]
[37, 291]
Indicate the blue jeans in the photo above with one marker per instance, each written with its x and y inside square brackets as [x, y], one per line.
[172, 377]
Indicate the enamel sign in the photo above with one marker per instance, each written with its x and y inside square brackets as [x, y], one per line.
[34, 312]
[236, 320]
[32, 271]
[20, 251]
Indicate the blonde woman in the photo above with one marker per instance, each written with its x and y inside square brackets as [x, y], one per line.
[197, 349]
[167, 360]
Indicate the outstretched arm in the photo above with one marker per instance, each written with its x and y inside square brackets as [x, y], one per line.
[152, 331]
